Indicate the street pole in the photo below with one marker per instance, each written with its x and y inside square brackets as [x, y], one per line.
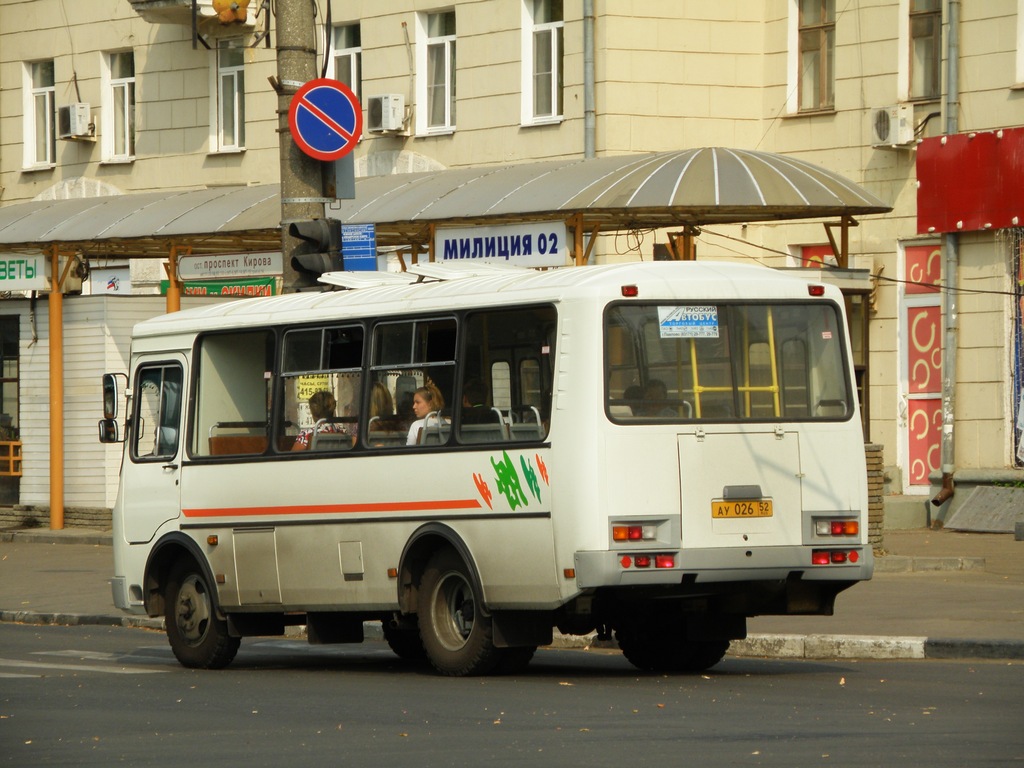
[302, 194]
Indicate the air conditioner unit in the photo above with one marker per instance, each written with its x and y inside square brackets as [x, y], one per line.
[892, 126]
[385, 113]
[73, 122]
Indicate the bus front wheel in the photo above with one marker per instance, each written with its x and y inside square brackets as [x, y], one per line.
[456, 635]
[198, 637]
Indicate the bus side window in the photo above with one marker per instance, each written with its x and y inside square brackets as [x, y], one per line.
[408, 355]
[321, 389]
[157, 411]
[506, 375]
[232, 393]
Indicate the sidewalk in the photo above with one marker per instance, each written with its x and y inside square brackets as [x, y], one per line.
[935, 594]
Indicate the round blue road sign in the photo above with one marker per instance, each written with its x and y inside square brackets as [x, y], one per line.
[325, 118]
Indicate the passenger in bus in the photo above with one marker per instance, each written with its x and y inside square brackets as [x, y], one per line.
[321, 409]
[633, 395]
[474, 404]
[656, 400]
[427, 401]
[381, 404]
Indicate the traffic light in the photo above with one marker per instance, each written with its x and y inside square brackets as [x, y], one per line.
[319, 250]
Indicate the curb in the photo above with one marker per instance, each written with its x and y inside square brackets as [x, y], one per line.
[92, 538]
[809, 647]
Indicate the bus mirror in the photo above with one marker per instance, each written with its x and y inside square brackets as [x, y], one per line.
[108, 431]
[110, 394]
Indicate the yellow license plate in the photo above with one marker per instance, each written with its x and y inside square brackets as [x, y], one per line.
[742, 508]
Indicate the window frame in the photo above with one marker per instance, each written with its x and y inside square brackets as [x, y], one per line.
[426, 44]
[163, 367]
[530, 31]
[117, 92]
[352, 53]
[33, 122]
[935, 64]
[235, 73]
[825, 29]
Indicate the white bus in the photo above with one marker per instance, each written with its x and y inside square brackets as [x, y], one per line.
[652, 451]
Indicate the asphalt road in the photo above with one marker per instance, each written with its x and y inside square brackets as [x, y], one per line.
[88, 695]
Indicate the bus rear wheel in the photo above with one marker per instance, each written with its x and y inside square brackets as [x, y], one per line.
[198, 637]
[670, 654]
[456, 635]
[405, 642]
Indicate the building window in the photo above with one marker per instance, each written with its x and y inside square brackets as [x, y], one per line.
[436, 85]
[543, 25]
[1020, 42]
[118, 112]
[230, 117]
[40, 115]
[925, 48]
[817, 41]
[347, 61]
[9, 377]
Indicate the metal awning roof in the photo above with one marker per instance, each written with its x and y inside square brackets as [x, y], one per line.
[668, 189]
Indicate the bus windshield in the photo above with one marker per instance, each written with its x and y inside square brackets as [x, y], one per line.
[725, 362]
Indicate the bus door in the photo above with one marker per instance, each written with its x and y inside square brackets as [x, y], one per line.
[741, 487]
[152, 496]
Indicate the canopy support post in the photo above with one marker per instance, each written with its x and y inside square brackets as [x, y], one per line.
[842, 251]
[56, 415]
[173, 282]
[687, 249]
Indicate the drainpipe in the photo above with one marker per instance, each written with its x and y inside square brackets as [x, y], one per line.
[951, 245]
[588, 79]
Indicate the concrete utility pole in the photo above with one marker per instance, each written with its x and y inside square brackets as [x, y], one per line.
[302, 194]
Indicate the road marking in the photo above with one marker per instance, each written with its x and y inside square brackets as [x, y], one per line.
[77, 667]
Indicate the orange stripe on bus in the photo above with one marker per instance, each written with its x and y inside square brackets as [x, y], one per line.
[336, 509]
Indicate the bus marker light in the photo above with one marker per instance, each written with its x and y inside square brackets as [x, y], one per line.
[816, 290]
[220, 579]
[630, 291]
[212, 540]
[569, 573]
[626, 561]
[392, 573]
[664, 561]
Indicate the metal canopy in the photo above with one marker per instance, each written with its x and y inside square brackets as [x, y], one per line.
[670, 189]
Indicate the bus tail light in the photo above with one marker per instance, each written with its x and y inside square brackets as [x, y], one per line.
[830, 527]
[834, 556]
[646, 561]
[634, 532]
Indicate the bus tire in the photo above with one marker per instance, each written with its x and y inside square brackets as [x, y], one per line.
[514, 660]
[405, 643]
[198, 637]
[456, 635]
[670, 654]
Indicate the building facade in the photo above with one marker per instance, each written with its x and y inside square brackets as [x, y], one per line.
[128, 96]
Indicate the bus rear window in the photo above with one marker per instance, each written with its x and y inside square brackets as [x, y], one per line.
[725, 362]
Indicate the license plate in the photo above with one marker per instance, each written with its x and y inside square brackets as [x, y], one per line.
[742, 508]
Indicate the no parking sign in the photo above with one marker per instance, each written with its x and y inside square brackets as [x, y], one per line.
[326, 119]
